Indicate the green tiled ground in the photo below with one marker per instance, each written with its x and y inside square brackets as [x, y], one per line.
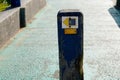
[33, 53]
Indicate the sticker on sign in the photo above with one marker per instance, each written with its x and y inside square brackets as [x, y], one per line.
[69, 22]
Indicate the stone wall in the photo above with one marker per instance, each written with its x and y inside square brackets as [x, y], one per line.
[29, 9]
[12, 20]
[9, 25]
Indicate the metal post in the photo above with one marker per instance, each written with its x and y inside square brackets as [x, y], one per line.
[70, 38]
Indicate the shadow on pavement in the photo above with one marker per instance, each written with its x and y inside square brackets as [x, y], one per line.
[115, 13]
[8, 8]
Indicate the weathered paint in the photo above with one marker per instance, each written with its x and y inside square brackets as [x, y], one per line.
[70, 46]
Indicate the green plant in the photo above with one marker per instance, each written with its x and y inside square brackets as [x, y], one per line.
[5, 1]
[1, 1]
[3, 6]
[8, 1]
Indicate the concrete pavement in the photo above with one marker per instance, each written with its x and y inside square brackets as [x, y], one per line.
[33, 53]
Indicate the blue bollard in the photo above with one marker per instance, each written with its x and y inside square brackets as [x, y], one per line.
[15, 3]
[70, 39]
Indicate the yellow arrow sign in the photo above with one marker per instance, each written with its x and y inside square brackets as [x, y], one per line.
[66, 22]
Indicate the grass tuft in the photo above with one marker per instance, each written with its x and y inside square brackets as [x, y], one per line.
[3, 6]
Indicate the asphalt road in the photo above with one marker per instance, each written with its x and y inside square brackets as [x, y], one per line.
[33, 53]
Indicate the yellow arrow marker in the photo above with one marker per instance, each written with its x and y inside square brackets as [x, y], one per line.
[66, 22]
